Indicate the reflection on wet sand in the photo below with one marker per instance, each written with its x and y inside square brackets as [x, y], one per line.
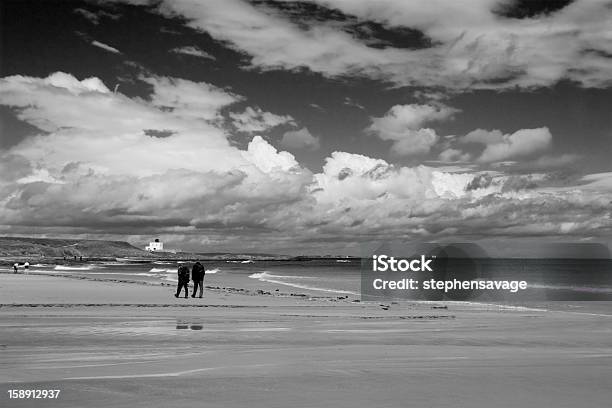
[180, 325]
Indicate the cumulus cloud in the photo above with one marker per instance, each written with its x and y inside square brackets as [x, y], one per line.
[468, 46]
[402, 124]
[521, 143]
[93, 168]
[193, 51]
[454, 155]
[300, 139]
[86, 122]
[256, 120]
[364, 194]
[483, 136]
[267, 158]
[84, 119]
[499, 148]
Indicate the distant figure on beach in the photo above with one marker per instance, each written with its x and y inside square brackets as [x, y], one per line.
[81, 258]
[183, 281]
[15, 267]
[26, 266]
[197, 275]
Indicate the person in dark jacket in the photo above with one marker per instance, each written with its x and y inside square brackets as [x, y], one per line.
[197, 275]
[183, 280]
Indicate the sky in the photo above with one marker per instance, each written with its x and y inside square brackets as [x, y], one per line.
[307, 127]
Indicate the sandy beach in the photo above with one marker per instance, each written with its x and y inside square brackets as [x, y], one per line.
[117, 344]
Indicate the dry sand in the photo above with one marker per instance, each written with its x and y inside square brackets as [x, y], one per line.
[110, 344]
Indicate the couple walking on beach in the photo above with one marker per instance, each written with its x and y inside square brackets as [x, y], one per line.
[26, 267]
[197, 276]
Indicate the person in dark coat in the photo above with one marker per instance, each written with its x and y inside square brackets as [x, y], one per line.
[183, 280]
[197, 275]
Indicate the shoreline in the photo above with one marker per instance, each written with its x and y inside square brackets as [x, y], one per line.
[268, 289]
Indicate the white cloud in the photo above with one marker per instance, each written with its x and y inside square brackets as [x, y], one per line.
[193, 51]
[254, 120]
[521, 143]
[361, 180]
[188, 99]
[39, 175]
[500, 147]
[473, 47]
[267, 159]
[483, 136]
[94, 17]
[88, 123]
[93, 168]
[403, 125]
[300, 139]
[454, 155]
[105, 47]
[551, 162]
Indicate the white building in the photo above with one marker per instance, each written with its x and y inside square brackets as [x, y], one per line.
[155, 246]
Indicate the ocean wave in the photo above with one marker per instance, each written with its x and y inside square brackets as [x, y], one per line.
[271, 278]
[73, 268]
[163, 263]
[90, 273]
[171, 275]
[571, 288]
[483, 305]
[270, 275]
[162, 270]
[111, 263]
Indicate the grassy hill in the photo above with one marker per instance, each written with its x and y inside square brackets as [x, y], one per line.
[18, 247]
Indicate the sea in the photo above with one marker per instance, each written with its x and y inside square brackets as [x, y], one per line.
[554, 283]
[314, 276]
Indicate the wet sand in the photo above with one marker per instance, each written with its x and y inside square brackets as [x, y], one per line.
[118, 344]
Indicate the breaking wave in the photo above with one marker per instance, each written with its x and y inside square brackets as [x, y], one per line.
[162, 270]
[73, 268]
[277, 279]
